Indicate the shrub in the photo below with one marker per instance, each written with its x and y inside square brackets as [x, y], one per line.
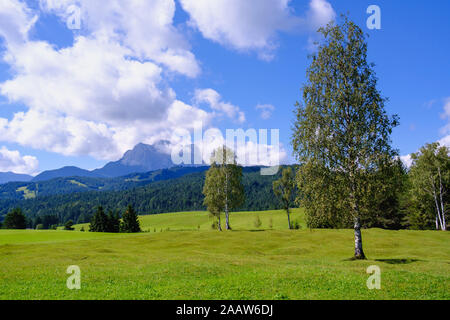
[257, 223]
[15, 219]
[69, 226]
[296, 225]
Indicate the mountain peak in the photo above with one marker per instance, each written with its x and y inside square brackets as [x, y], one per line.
[141, 158]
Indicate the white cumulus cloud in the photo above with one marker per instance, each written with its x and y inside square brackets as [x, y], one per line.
[144, 27]
[214, 100]
[253, 24]
[14, 162]
[106, 92]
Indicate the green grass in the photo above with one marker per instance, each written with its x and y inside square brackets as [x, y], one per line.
[75, 182]
[190, 221]
[238, 264]
[27, 194]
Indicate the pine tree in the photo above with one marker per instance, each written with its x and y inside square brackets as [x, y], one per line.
[130, 221]
[99, 222]
[113, 222]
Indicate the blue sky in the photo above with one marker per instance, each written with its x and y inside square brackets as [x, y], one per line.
[209, 60]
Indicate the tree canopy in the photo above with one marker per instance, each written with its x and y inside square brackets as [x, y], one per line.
[342, 132]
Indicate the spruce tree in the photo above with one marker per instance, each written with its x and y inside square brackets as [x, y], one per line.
[113, 222]
[130, 221]
[99, 221]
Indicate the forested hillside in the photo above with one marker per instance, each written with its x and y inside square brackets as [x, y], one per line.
[180, 194]
[73, 184]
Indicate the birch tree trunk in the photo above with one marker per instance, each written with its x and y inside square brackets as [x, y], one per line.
[441, 193]
[440, 214]
[227, 219]
[289, 218]
[220, 225]
[359, 253]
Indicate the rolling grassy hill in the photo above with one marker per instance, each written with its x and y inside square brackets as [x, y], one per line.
[191, 221]
[245, 263]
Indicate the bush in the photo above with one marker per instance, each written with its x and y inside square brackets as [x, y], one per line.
[40, 226]
[257, 223]
[69, 226]
[15, 219]
[296, 225]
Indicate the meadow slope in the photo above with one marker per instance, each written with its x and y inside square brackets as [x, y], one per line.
[246, 263]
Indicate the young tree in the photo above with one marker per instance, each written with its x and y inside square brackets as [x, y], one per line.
[284, 189]
[342, 132]
[214, 198]
[430, 178]
[229, 193]
[15, 219]
[130, 221]
[99, 221]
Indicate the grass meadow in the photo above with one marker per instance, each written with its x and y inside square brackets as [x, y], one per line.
[182, 261]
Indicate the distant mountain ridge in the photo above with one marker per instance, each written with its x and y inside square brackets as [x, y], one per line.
[6, 177]
[142, 158]
[64, 172]
[77, 184]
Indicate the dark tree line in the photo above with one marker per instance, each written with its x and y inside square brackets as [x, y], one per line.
[112, 223]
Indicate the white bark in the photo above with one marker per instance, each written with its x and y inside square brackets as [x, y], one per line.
[289, 218]
[438, 213]
[441, 193]
[359, 253]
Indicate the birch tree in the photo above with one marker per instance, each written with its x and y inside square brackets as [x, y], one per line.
[223, 186]
[342, 132]
[430, 177]
[214, 197]
[284, 189]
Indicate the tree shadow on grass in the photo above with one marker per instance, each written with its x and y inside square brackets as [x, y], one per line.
[388, 261]
[250, 230]
[398, 261]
